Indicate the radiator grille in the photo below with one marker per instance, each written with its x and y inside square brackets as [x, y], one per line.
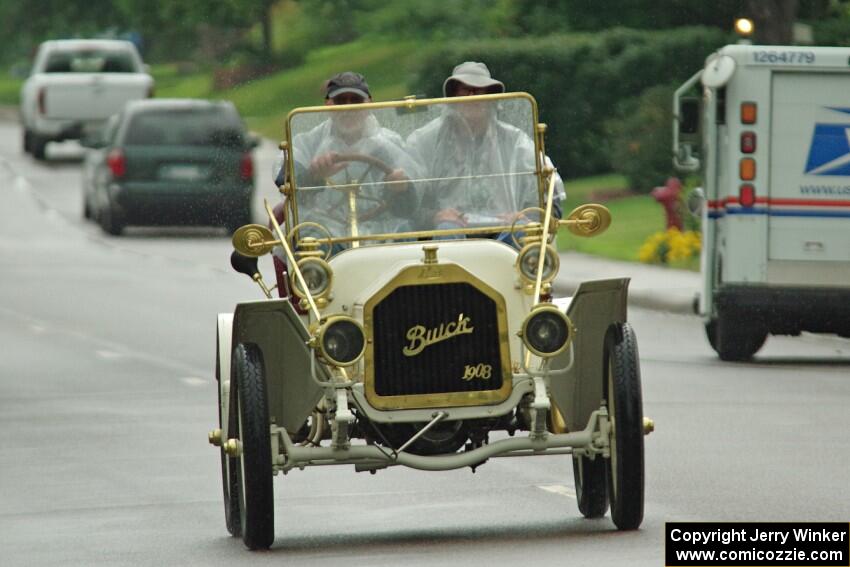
[439, 367]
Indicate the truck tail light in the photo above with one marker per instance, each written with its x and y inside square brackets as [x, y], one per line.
[748, 169]
[747, 195]
[748, 112]
[748, 142]
[246, 167]
[42, 101]
[117, 163]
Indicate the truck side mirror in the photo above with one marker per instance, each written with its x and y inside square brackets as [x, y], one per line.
[689, 118]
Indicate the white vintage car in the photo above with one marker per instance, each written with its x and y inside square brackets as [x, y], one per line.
[414, 323]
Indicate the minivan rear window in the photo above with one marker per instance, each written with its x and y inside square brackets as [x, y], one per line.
[204, 127]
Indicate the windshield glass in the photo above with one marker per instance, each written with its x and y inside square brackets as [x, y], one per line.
[454, 164]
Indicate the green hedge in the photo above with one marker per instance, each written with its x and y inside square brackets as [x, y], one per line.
[580, 80]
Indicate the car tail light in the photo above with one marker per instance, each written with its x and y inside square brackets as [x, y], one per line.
[748, 112]
[246, 168]
[748, 169]
[748, 142]
[117, 163]
[42, 101]
[747, 195]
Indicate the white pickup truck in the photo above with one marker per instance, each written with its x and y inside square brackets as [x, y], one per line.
[75, 85]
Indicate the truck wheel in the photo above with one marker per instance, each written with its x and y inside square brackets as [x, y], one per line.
[38, 146]
[229, 465]
[737, 339]
[27, 141]
[711, 333]
[590, 482]
[625, 413]
[256, 493]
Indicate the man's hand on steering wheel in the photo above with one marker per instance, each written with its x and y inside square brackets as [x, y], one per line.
[326, 165]
[394, 178]
[449, 215]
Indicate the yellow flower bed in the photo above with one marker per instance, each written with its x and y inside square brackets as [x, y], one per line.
[670, 247]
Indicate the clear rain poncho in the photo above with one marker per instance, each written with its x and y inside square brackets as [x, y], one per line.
[479, 165]
[380, 206]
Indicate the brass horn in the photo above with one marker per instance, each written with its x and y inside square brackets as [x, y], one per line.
[254, 240]
[588, 220]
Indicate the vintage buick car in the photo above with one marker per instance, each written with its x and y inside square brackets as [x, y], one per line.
[413, 322]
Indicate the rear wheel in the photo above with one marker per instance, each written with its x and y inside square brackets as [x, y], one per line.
[110, 221]
[27, 141]
[737, 338]
[590, 482]
[256, 495]
[625, 414]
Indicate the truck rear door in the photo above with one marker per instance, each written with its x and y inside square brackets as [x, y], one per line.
[809, 183]
[92, 96]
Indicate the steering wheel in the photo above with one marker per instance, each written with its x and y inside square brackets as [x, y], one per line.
[371, 162]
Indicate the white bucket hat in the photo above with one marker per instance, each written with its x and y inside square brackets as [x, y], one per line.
[475, 74]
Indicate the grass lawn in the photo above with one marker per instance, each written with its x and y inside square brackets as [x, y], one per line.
[10, 89]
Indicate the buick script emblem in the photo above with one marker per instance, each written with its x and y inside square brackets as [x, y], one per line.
[419, 337]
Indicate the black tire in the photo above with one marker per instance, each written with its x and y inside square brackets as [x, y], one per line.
[229, 465]
[27, 141]
[256, 493]
[87, 212]
[625, 412]
[110, 221]
[39, 147]
[737, 339]
[591, 486]
[711, 333]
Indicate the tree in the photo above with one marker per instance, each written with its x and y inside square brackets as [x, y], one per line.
[774, 20]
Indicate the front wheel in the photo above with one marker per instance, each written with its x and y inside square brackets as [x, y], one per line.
[229, 465]
[256, 493]
[625, 415]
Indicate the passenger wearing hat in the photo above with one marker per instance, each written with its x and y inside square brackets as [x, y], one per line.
[317, 164]
[465, 146]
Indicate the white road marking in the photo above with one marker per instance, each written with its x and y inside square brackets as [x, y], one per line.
[194, 381]
[558, 489]
[108, 354]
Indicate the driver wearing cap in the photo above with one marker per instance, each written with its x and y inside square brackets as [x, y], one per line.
[321, 160]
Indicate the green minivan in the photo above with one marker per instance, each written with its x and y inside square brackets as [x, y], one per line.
[170, 162]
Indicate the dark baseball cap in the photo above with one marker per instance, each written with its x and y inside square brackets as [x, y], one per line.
[347, 82]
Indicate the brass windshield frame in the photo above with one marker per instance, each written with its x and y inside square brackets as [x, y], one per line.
[537, 134]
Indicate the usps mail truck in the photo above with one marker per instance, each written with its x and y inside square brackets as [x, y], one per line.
[770, 136]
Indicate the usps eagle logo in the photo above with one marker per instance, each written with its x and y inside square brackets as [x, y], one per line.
[829, 153]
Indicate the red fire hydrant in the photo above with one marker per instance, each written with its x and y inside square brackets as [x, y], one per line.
[668, 196]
